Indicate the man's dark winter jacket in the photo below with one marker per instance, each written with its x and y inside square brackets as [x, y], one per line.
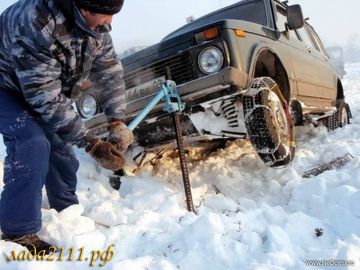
[47, 51]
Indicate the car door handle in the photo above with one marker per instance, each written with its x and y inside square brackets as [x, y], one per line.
[308, 48]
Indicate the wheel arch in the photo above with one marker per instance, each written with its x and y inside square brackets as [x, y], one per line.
[266, 63]
[340, 91]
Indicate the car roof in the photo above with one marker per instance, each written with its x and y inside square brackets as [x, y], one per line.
[210, 14]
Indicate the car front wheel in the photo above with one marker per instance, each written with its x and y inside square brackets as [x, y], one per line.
[269, 123]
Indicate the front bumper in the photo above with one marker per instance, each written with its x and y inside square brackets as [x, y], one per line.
[190, 92]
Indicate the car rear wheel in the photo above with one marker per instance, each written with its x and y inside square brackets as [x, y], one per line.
[269, 123]
[342, 116]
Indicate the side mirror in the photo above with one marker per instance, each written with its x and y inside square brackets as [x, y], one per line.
[294, 17]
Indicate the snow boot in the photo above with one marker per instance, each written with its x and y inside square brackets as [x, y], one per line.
[31, 241]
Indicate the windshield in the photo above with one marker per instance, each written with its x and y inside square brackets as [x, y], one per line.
[251, 11]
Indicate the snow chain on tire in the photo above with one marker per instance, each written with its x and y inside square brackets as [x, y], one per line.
[341, 117]
[269, 123]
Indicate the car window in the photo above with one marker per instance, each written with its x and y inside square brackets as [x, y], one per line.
[315, 37]
[281, 22]
[316, 45]
[305, 37]
[252, 11]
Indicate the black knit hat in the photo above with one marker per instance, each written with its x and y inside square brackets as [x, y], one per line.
[109, 7]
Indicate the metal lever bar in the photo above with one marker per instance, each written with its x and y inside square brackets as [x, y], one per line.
[174, 105]
[137, 120]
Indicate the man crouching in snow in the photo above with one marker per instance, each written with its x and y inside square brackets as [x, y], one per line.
[48, 48]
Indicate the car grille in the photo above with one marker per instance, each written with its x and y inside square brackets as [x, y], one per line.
[178, 69]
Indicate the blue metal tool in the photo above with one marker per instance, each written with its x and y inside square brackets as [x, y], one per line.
[173, 104]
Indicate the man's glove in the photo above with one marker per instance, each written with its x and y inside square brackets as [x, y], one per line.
[120, 135]
[104, 153]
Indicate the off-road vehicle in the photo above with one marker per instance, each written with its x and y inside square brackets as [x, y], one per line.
[253, 70]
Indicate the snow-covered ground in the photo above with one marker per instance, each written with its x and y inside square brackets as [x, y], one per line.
[249, 216]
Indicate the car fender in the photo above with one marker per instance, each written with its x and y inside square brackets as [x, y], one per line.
[260, 48]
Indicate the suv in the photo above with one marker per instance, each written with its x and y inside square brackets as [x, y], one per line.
[253, 70]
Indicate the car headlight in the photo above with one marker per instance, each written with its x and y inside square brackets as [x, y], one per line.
[87, 106]
[210, 60]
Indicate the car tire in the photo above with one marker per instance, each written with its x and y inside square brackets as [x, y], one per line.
[269, 123]
[342, 116]
[297, 113]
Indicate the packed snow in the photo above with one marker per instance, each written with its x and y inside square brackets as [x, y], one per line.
[249, 216]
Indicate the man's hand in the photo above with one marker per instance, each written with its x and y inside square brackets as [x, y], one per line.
[105, 154]
[120, 136]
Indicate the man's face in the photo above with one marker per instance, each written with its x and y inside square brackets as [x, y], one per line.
[95, 19]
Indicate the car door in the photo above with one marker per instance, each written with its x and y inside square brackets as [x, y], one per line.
[304, 73]
[326, 71]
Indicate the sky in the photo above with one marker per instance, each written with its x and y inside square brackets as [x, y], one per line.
[143, 23]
